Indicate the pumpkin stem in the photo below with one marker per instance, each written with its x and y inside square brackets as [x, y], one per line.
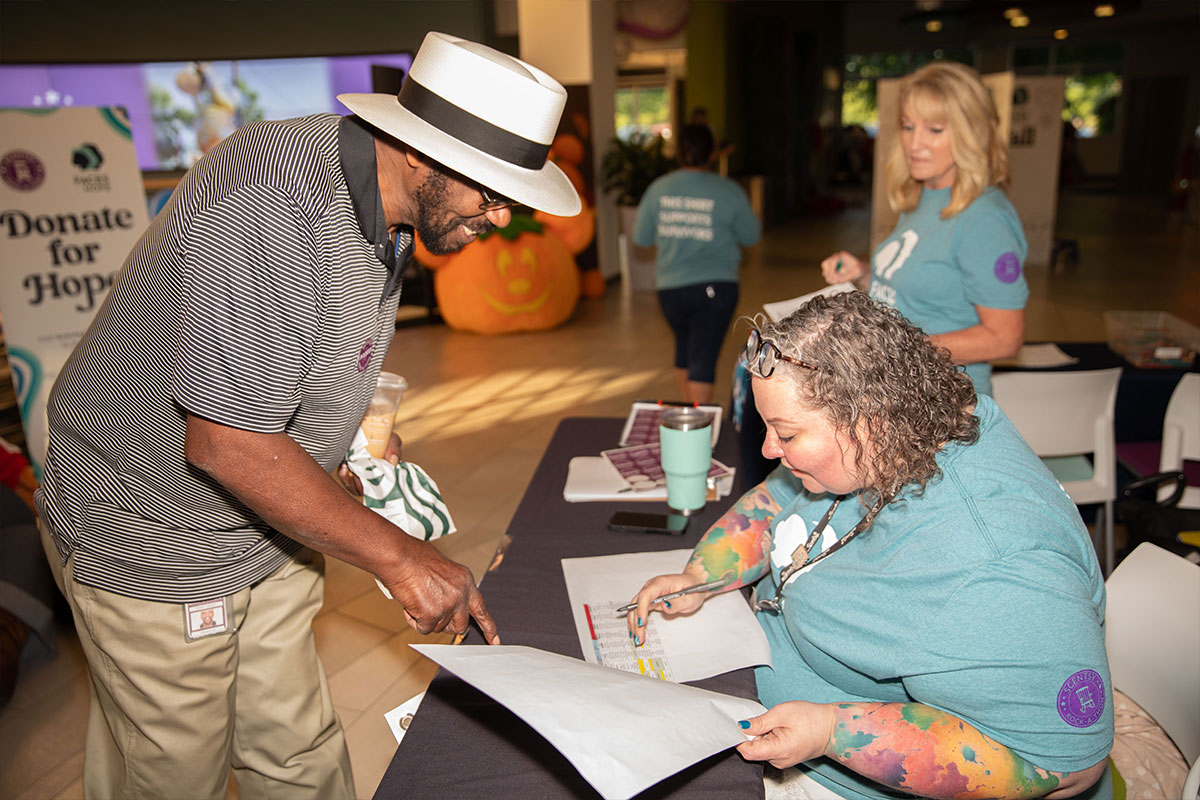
[521, 223]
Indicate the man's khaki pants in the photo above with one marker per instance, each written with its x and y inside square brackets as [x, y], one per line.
[169, 717]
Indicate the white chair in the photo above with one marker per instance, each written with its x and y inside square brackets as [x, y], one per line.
[1152, 630]
[1181, 435]
[1064, 416]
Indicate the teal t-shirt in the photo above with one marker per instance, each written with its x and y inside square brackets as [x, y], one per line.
[935, 271]
[982, 597]
[699, 221]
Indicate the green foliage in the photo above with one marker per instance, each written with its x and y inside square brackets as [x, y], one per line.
[1090, 102]
[169, 123]
[641, 109]
[629, 167]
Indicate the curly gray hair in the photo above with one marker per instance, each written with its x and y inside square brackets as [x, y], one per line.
[898, 399]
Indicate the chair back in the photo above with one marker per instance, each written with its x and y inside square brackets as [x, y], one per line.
[1152, 630]
[1181, 434]
[1060, 413]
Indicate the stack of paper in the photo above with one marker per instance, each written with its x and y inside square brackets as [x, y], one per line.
[633, 471]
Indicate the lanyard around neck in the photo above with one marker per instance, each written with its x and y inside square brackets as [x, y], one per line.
[801, 557]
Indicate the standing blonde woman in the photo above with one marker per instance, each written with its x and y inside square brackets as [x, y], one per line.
[953, 264]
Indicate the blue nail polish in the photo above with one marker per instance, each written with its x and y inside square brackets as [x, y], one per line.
[744, 723]
[639, 622]
[667, 603]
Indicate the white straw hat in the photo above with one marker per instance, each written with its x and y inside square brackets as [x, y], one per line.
[483, 114]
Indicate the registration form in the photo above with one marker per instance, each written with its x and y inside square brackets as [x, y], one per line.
[721, 637]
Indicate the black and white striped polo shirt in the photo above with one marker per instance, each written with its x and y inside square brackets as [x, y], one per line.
[262, 297]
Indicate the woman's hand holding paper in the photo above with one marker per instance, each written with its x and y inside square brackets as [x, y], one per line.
[789, 733]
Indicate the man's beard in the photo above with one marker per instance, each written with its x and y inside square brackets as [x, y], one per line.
[432, 198]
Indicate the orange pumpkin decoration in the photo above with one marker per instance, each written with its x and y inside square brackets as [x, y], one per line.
[576, 232]
[593, 284]
[568, 147]
[426, 258]
[512, 279]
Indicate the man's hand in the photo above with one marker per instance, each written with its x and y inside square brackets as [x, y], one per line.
[438, 594]
[351, 482]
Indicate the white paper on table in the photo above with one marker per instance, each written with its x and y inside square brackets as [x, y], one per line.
[721, 637]
[623, 732]
[779, 310]
[1038, 356]
[592, 478]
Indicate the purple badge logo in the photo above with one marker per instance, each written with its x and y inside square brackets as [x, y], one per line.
[1081, 699]
[1008, 268]
[22, 170]
[364, 354]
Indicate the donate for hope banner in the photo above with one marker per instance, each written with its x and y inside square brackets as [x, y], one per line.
[71, 208]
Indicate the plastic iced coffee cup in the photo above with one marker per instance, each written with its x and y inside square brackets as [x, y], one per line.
[381, 413]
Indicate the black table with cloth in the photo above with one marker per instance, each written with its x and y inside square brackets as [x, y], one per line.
[461, 743]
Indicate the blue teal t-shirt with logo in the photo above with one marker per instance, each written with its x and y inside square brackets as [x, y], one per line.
[935, 271]
[981, 597]
[698, 221]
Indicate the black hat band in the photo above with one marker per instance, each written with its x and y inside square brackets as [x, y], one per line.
[470, 129]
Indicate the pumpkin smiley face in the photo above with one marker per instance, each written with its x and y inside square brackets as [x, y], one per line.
[519, 280]
[516, 279]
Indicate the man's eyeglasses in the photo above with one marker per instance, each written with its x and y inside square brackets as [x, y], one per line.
[491, 200]
[762, 355]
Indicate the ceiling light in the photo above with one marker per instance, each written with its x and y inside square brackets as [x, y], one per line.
[1009, 13]
[933, 25]
[1060, 34]
[1104, 10]
[1019, 21]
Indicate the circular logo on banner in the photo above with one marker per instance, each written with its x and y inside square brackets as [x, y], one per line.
[1081, 698]
[1008, 268]
[22, 170]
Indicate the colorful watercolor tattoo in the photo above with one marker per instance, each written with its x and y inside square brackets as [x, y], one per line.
[918, 749]
[739, 544]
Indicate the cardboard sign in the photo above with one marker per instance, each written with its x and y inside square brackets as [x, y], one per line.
[71, 208]
[1035, 147]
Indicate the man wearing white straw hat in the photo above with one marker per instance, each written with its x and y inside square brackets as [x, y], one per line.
[187, 496]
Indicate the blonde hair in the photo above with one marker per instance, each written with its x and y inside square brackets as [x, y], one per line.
[953, 95]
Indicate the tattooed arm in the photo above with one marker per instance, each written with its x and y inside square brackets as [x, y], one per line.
[737, 548]
[910, 747]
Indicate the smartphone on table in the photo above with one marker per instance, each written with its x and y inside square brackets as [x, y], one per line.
[672, 524]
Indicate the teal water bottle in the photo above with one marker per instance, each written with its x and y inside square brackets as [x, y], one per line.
[685, 438]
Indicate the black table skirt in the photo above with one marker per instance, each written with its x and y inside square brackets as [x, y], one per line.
[461, 743]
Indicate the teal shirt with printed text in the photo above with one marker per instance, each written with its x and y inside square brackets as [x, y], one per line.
[935, 271]
[698, 221]
[981, 597]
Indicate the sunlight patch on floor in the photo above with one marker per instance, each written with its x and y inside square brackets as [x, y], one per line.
[467, 405]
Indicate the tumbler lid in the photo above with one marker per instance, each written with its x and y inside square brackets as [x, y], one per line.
[685, 418]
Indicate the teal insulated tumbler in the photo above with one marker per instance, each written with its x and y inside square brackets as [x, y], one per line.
[685, 437]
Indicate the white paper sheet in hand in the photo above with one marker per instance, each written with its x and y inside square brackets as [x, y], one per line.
[624, 733]
[721, 637]
[779, 310]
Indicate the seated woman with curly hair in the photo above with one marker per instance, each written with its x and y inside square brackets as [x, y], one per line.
[934, 605]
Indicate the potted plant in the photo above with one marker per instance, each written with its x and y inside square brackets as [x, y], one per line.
[628, 168]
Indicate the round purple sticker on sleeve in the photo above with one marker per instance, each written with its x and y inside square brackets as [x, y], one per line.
[1081, 698]
[1008, 267]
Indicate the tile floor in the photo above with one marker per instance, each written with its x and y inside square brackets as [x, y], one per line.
[481, 409]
